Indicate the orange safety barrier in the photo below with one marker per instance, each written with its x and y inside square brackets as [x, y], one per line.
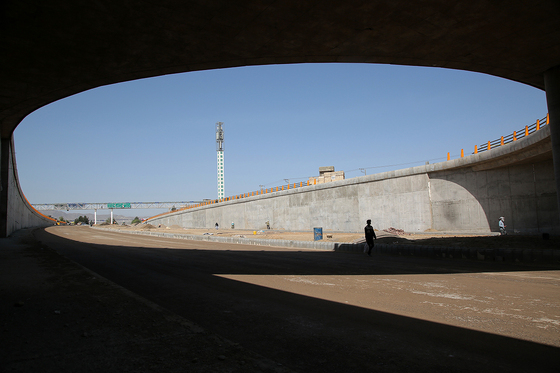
[507, 139]
[37, 211]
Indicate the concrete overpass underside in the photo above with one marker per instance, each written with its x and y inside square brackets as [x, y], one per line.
[51, 50]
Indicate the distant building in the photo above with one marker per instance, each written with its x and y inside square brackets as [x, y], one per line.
[326, 175]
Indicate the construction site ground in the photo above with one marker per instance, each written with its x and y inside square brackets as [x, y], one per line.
[389, 236]
[58, 316]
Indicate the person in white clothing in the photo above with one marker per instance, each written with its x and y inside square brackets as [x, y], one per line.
[502, 226]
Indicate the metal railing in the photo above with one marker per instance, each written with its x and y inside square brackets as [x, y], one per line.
[504, 140]
[263, 191]
[516, 135]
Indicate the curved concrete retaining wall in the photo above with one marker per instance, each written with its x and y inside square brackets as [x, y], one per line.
[466, 194]
[18, 213]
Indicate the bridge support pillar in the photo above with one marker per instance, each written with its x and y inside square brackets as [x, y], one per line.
[552, 87]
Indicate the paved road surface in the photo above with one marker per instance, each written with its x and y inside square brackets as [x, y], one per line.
[318, 311]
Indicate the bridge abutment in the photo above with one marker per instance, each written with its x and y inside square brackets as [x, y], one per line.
[15, 211]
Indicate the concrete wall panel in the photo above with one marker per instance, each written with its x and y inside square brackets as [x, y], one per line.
[545, 183]
[476, 199]
[547, 212]
[19, 213]
[454, 206]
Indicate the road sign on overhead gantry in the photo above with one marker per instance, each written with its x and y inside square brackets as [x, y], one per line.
[125, 205]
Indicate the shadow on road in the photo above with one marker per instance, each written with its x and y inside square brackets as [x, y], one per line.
[305, 333]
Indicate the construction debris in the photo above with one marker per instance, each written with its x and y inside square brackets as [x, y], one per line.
[394, 231]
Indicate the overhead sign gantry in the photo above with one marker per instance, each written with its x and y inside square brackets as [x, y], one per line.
[112, 205]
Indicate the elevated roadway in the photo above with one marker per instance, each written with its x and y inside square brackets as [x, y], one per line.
[55, 49]
[466, 194]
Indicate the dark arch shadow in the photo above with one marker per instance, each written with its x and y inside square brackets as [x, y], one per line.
[56, 50]
[305, 333]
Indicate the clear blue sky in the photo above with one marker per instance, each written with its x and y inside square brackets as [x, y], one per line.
[154, 139]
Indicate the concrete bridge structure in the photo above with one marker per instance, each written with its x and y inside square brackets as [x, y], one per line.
[467, 194]
[51, 50]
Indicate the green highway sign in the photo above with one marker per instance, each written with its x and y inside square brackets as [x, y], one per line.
[118, 205]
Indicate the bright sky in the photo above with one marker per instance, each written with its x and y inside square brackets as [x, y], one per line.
[154, 139]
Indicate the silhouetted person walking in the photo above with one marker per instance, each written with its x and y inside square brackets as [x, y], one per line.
[370, 236]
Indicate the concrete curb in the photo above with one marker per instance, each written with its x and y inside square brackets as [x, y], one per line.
[329, 246]
[541, 256]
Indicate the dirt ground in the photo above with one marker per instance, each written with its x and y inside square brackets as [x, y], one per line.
[58, 316]
[489, 240]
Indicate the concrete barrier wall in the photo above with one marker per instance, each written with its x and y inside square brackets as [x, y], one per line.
[20, 214]
[465, 195]
[525, 195]
[330, 206]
